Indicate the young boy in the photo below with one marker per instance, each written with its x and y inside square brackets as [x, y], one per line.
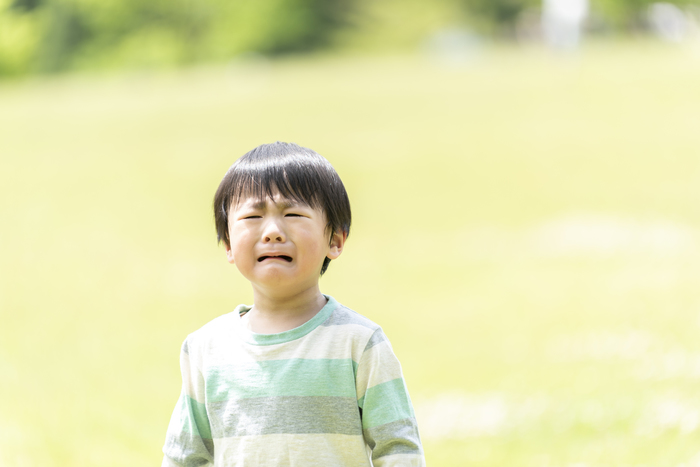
[297, 379]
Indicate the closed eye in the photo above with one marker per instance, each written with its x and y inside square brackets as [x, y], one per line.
[252, 217]
[291, 214]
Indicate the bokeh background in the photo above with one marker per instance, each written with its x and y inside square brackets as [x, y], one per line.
[524, 177]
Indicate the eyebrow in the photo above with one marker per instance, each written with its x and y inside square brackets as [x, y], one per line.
[285, 204]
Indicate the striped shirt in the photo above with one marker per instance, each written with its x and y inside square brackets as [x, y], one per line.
[327, 393]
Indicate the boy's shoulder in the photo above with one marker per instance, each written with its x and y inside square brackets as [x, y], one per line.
[344, 316]
[348, 325]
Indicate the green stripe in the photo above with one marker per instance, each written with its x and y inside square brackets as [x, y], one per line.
[193, 417]
[385, 403]
[275, 378]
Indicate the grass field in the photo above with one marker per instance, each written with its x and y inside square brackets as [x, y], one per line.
[526, 230]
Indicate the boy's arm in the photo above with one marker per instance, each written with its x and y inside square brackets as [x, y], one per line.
[188, 441]
[388, 422]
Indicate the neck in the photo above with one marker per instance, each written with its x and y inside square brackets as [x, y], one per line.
[274, 313]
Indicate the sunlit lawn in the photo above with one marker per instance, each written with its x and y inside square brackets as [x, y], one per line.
[525, 230]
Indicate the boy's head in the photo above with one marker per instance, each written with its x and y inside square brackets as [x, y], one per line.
[295, 173]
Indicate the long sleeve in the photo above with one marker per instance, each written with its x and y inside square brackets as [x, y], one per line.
[188, 442]
[388, 421]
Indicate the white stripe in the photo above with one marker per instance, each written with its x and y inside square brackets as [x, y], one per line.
[192, 381]
[323, 342]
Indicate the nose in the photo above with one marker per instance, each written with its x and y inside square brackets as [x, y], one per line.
[273, 232]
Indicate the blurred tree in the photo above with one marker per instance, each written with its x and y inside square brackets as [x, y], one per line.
[66, 29]
[497, 17]
[115, 33]
[626, 15]
[25, 5]
[55, 35]
[19, 37]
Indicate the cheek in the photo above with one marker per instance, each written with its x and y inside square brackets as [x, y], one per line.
[238, 233]
[240, 244]
[318, 246]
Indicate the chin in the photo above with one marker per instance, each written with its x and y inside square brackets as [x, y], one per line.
[273, 279]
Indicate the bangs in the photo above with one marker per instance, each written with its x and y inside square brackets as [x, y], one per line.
[289, 180]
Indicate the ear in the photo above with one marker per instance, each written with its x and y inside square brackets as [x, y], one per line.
[337, 244]
[229, 254]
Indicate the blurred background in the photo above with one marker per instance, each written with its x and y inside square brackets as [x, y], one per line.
[524, 178]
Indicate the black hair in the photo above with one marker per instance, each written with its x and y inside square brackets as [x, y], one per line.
[297, 173]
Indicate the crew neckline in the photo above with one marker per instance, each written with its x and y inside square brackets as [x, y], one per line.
[255, 338]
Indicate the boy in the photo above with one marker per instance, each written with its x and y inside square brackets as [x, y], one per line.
[297, 379]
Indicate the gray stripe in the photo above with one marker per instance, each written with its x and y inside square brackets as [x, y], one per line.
[188, 450]
[377, 337]
[343, 315]
[284, 415]
[185, 348]
[399, 437]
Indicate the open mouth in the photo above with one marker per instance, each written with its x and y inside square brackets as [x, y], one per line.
[283, 257]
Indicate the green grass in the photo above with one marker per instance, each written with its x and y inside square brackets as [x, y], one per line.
[526, 232]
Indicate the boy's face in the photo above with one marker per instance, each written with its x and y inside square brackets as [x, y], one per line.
[279, 244]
